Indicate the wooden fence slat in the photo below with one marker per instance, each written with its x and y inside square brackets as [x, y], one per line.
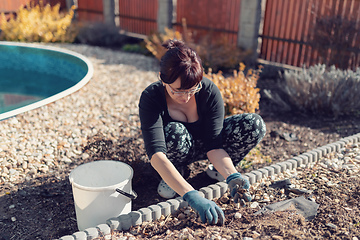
[294, 46]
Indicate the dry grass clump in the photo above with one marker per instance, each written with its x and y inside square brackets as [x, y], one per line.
[38, 23]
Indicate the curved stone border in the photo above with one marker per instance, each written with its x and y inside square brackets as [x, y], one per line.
[153, 212]
[59, 95]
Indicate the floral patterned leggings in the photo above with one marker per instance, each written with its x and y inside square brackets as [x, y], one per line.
[240, 134]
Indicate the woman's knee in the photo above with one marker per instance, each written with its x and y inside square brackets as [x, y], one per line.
[248, 123]
[258, 124]
[177, 137]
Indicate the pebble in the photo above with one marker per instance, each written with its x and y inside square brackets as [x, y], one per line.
[237, 215]
[52, 137]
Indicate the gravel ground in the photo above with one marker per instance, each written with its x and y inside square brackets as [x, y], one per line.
[50, 141]
[331, 182]
[51, 137]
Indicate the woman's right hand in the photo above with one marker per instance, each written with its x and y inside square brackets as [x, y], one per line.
[208, 210]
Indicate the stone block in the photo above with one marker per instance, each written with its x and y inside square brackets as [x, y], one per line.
[81, 235]
[252, 177]
[183, 203]
[300, 160]
[156, 211]
[165, 208]
[104, 230]
[67, 237]
[264, 171]
[136, 218]
[289, 165]
[294, 163]
[92, 232]
[283, 166]
[216, 191]
[114, 223]
[208, 192]
[126, 221]
[146, 214]
[271, 171]
[277, 168]
[174, 205]
[223, 187]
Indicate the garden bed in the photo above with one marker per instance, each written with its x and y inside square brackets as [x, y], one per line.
[103, 115]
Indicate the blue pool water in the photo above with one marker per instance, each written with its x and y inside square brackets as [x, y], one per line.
[34, 75]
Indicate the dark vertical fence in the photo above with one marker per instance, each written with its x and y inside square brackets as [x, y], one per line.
[220, 18]
[303, 33]
[90, 11]
[138, 16]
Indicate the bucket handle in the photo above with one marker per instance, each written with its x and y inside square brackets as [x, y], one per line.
[129, 195]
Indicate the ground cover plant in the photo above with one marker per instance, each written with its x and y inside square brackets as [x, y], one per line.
[328, 91]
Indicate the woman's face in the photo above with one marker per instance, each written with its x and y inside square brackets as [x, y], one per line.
[179, 95]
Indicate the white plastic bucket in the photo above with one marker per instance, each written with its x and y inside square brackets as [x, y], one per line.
[96, 186]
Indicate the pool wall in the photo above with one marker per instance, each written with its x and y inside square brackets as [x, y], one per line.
[22, 58]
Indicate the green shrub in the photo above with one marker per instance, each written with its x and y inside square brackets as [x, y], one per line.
[135, 48]
[38, 24]
[320, 90]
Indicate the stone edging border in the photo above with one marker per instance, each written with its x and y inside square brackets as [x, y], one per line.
[153, 212]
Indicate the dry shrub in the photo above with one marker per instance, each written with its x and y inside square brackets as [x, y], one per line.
[38, 23]
[154, 42]
[320, 90]
[215, 54]
[238, 91]
[219, 54]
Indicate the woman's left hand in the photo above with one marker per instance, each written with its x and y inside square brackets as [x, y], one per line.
[237, 183]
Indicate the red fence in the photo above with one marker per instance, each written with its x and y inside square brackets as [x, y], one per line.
[138, 16]
[295, 32]
[90, 10]
[215, 17]
[307, 32]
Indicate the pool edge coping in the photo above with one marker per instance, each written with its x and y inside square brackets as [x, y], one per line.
[153, 212]
[62, 94]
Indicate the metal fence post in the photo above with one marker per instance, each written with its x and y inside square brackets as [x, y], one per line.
[69, 4]
[164, 17]
[249, 22]
[109, 11]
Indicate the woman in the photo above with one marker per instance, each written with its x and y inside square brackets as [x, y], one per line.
[182, 120]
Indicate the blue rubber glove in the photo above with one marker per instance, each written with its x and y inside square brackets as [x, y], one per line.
[236, 182]
[208, 210]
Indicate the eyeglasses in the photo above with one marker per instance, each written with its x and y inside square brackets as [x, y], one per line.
[188, 93]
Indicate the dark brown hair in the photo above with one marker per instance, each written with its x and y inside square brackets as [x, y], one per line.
[180, 61]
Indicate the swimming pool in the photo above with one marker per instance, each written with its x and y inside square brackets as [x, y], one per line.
[33, 75]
